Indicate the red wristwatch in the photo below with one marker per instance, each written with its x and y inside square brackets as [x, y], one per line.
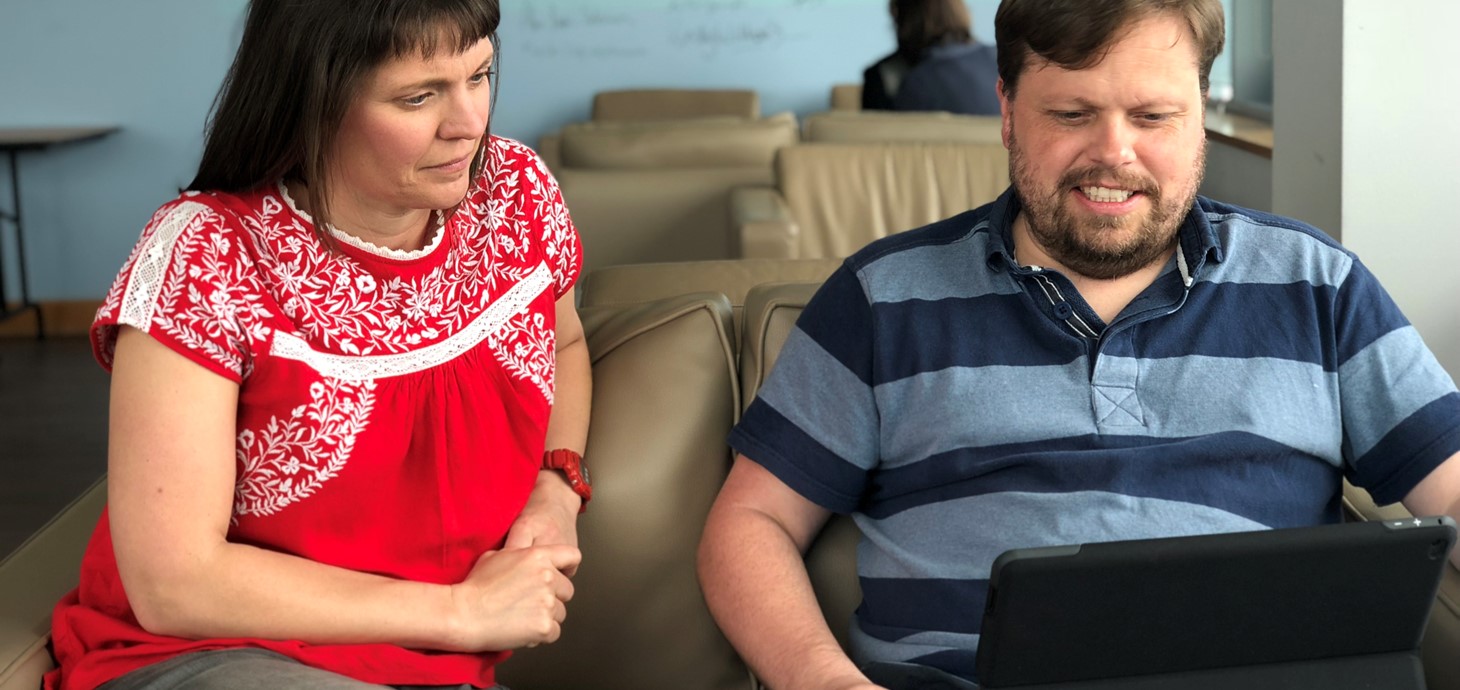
[570, 463]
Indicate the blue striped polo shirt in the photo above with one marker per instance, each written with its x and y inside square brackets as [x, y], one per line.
[958, 405]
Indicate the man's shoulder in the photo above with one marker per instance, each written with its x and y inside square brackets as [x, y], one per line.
[949, 231]
[1264, 247]
[942, 259]
[1227, 216]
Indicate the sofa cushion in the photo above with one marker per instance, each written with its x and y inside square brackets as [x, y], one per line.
[662, 104]
[664, 399]
[692, 143]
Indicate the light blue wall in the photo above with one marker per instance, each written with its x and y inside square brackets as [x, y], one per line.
[153, 67]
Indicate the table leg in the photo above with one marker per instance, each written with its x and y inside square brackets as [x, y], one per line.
[25, 303]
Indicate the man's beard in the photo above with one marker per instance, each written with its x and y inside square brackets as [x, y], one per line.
[1082, 245]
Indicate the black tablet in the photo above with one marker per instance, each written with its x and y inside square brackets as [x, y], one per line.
[1335, 600]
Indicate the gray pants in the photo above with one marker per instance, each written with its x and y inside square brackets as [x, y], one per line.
[244, 669]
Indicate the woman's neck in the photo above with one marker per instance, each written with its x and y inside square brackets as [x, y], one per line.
[403, 229]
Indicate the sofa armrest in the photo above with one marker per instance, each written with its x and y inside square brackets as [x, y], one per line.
[33, 579]
[762, 221]
[1442, 636]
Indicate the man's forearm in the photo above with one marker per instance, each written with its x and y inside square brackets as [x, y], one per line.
[756, 585]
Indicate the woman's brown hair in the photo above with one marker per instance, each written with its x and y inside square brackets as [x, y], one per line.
[298, 69]
[922, 24]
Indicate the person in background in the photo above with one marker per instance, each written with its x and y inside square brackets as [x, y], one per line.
[349, 388]
[937, 66]
[1099, 354]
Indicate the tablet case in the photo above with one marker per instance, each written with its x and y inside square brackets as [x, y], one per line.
[1337, 602]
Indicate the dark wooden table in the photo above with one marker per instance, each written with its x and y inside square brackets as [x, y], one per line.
[14, 140]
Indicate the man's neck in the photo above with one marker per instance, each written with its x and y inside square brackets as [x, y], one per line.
[1107, 297]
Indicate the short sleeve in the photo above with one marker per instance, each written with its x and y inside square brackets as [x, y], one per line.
[189, 284]
[561, 248]
[1401, 412]
[815, 422]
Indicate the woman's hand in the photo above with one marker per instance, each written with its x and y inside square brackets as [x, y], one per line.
[513, 599]
[550, 517]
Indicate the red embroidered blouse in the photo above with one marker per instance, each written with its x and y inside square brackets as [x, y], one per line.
[392, 405]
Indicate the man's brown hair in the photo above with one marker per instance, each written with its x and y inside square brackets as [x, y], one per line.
[1076, 34]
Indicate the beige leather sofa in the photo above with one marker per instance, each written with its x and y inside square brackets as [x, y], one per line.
[831, 199]
[888, 126]
[663, 104]
[669, 383]
[660, 190]
[847, 97]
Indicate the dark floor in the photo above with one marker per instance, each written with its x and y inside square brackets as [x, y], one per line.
[53, 409]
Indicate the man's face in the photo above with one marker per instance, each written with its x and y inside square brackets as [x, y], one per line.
[1107, 160]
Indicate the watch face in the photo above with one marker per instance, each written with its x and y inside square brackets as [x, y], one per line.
[583, 472]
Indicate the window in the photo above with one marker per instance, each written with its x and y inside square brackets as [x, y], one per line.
[1249, 41]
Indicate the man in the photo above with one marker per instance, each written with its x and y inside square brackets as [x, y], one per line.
[1097, 355]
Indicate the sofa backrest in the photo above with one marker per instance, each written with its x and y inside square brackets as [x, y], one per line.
[842, 196]
[659, 104]
[846, 97]
[664, 398]
[637, 283]
[678, 143]
[889, 126]
[660, 191]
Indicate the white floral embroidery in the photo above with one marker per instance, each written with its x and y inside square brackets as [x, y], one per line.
[219, 290]
[516, 346]
[288, 459]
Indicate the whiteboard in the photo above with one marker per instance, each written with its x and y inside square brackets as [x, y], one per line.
[557, 53]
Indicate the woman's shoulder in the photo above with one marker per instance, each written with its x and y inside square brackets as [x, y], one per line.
[511, 153]
[226, 210]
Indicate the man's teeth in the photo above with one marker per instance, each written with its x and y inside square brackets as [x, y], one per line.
[1105, 194]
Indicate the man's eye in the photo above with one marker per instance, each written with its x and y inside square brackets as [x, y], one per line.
[1069, 116]
[418, 99]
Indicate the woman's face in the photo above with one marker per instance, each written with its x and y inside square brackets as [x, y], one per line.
[408, 140]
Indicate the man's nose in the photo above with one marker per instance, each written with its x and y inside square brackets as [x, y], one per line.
[1113, 143]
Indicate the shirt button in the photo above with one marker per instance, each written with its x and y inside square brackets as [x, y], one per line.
[1063, 310]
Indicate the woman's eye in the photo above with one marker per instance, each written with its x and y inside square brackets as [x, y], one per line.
[481, 76]
[418, 99]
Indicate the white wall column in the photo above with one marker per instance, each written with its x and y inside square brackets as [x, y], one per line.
[1367, 144]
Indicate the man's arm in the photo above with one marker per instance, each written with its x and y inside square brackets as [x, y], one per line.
[1439, 494]
[755, 582]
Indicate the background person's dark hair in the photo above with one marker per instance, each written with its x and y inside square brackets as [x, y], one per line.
[300, 65]
[922, 24]
[1076, 34]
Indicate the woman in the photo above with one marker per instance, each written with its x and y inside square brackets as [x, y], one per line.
[937, 66]
[338, 360]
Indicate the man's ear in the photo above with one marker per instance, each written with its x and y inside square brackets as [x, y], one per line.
[1006, 108]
